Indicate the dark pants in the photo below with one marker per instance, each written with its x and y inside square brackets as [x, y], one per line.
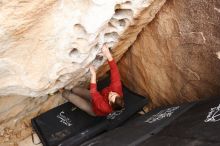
[81, 98]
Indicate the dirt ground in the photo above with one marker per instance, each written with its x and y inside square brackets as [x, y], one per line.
[28, 141]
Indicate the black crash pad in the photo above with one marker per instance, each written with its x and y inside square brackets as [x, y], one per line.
[199, 126]
[62, 122]
[68, 125]
[140, 128]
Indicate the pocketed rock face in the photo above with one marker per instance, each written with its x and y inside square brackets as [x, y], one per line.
[47, 45]
[176, 57]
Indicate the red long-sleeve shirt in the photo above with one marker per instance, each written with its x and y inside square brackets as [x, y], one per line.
[100, 102]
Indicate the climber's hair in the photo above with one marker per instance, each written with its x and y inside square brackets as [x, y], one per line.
[118, 104]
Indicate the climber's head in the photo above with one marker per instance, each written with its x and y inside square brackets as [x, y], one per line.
[116, 101]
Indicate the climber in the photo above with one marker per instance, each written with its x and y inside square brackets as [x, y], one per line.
[97, 103]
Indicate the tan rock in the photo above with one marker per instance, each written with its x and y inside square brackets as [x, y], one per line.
[15, 121]
[175, 57]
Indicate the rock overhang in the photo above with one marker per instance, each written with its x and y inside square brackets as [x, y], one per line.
[47, 45]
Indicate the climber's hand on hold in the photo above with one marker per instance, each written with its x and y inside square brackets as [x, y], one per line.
[92, 70]
[93, 73]
[106, 52]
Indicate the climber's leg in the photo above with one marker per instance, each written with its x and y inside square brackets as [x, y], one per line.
[82, 92]
[78, 101]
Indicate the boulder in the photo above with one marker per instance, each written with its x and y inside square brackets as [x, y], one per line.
[48, 45]
[176, 57]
